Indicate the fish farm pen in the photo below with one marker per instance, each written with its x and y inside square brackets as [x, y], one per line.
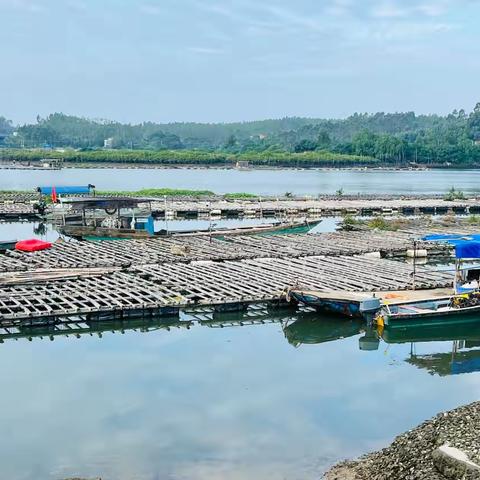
[19, 205]
[187, 249]
[161, 277]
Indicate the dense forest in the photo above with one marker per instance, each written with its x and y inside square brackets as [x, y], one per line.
[399, 138]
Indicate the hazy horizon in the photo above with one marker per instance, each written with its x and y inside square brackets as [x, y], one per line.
[217, 62]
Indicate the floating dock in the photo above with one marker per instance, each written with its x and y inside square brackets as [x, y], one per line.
[125, 253]
[165, 289]
[313, 207]
[192, 208]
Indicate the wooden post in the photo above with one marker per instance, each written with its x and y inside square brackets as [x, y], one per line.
[414, 263]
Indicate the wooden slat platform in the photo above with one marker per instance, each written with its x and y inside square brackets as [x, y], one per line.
[162, 288]
[14, 211]
[323, 206]
[327, 205]
[182, 250]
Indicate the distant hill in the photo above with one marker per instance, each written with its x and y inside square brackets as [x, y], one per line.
[389, 137]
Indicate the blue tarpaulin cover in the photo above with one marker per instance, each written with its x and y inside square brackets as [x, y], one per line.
[467, 249]
[63, 190]
[452, 239]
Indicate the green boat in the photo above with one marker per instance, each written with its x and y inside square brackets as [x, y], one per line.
[462, 306]
[7, 245]
[266, 229]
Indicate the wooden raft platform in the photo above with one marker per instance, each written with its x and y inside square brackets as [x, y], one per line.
[16, 211]
[312, 206]
[272, 207]
[163, 289]
[186, 249]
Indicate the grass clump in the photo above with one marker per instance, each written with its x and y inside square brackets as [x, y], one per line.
[379, 223]
[473, 220]
[240, 195]
[351, 223]
[454, 194]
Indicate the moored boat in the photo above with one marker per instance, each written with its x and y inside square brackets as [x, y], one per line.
[275, 228]
[462, 305]
[7, 245]
[441, 311]
[350, 304]
[130, 218]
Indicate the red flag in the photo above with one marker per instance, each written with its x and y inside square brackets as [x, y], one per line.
[54, 195]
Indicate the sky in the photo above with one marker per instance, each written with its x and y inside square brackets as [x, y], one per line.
[236, 60]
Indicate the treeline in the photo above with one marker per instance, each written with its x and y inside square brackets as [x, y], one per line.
[391, 138]
[190, 157]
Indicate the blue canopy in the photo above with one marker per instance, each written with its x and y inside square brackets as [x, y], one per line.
[66, 190]
[467, 249]
[452, 239]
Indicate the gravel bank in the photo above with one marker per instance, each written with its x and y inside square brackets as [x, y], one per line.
[415, 454]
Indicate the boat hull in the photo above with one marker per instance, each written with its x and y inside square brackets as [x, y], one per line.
[7, 245]
[364, 308]
[91, 232]
[452, 316]
[262, 230]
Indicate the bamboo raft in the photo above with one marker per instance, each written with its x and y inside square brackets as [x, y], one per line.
[272, 207]
[124, 253]
[312, 206]
[16, 211]
[164, 289]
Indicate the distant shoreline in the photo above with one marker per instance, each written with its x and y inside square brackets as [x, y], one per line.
[161, 166]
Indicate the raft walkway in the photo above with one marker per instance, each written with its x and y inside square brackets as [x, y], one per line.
[19, 204]
[314, 207]
[161, 276]
[124, 253]
[164, 289]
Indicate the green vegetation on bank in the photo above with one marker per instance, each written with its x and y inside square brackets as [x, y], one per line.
[240, 195]
[398, 138]
[157, 192]
[173, 192]
[190, 157]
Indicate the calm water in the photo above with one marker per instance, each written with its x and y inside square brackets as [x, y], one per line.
[24, 230]
[266, 401]
[261, 401]
[263, 182]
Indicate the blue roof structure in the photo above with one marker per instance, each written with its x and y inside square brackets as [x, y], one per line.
[467, 249]
[66, 190]
[452, 239]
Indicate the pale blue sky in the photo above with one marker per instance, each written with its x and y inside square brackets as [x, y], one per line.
[213, 60]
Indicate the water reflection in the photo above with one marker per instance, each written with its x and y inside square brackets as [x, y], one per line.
[259, 394]
[312, 329]
[462, 357]
[299, 328]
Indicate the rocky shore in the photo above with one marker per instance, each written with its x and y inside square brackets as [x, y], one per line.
[446, 447]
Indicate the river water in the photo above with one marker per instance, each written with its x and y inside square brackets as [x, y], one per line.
[262, 182]
[238, 402]
[275, 401]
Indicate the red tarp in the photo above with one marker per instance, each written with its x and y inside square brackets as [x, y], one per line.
[32, 245]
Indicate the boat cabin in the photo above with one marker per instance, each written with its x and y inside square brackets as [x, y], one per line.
[117, 217]
[467, 277]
